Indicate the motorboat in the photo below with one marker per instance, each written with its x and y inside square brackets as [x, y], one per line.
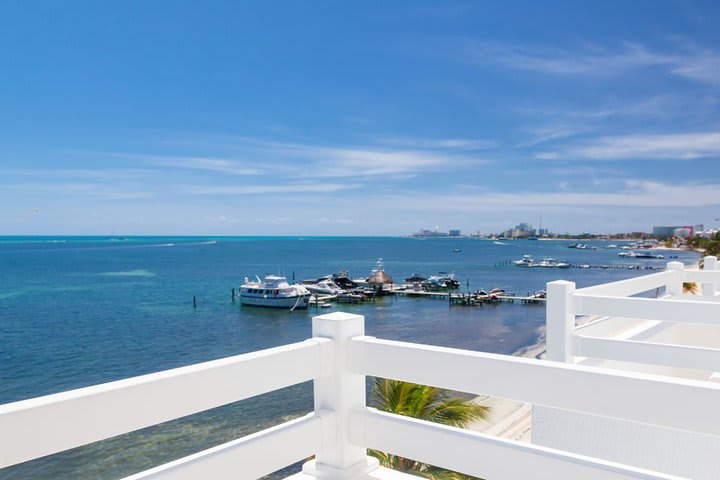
[547, 263]
[415, 278]
[648, 255]
[324, 287]
[274, 292]
[340, 280]
[583, 246]
[526, 261]
[562, 265]
[442, 280]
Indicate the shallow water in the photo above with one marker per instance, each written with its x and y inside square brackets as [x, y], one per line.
[76, 311]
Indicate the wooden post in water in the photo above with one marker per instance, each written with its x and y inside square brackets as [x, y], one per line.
[194, 302]
[233, 294]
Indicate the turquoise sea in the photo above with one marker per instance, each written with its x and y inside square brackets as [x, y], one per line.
[76, 311]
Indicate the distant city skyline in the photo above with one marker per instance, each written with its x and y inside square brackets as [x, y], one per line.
[286, 118]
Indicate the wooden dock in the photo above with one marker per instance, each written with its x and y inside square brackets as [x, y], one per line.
[453, 298]
[471, 298]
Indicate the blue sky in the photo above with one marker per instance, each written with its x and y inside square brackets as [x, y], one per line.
[364, 118]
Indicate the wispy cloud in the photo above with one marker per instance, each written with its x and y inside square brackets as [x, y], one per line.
[260, 189]
[439, 144]
[681, 146]
[209, 164]
[301, 160]
[93, 190]
[631, 194]
[546, 155]
[549, 133]
[688, 61]
[666, 105]
[78, 173]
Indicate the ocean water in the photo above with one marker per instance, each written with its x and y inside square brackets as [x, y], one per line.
[77, 311]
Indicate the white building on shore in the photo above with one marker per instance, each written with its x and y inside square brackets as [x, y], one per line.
[633, 395]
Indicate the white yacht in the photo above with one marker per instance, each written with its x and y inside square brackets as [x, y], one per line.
[274, 292]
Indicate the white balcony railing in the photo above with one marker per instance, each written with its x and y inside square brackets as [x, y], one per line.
[673, 334]
[342, 427]
[565, 341]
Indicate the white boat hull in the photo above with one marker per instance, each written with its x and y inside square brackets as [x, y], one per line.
[276, 302]
[322, 290]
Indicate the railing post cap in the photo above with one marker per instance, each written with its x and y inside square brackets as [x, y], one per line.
[564, 284]
[338, 317]
[675, 266]
[338, 325]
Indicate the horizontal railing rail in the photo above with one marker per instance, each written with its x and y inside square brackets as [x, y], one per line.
[41, 426]
[486, 456]
[631, 286]
[669, 355]
[666, 310]
[246, 457]
[646, 398]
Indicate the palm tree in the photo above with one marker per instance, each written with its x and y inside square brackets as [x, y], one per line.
[426, 403]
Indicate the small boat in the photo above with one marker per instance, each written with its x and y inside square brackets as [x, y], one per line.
[457, 250]
[497, 291]
[343, 281]
[274, 292]
[547, 263]
[441, 281]
[349, 297]
[563, 265]
[648, 255]
[324, 287]
[583, 246]
[526, 261]
[415, 278]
